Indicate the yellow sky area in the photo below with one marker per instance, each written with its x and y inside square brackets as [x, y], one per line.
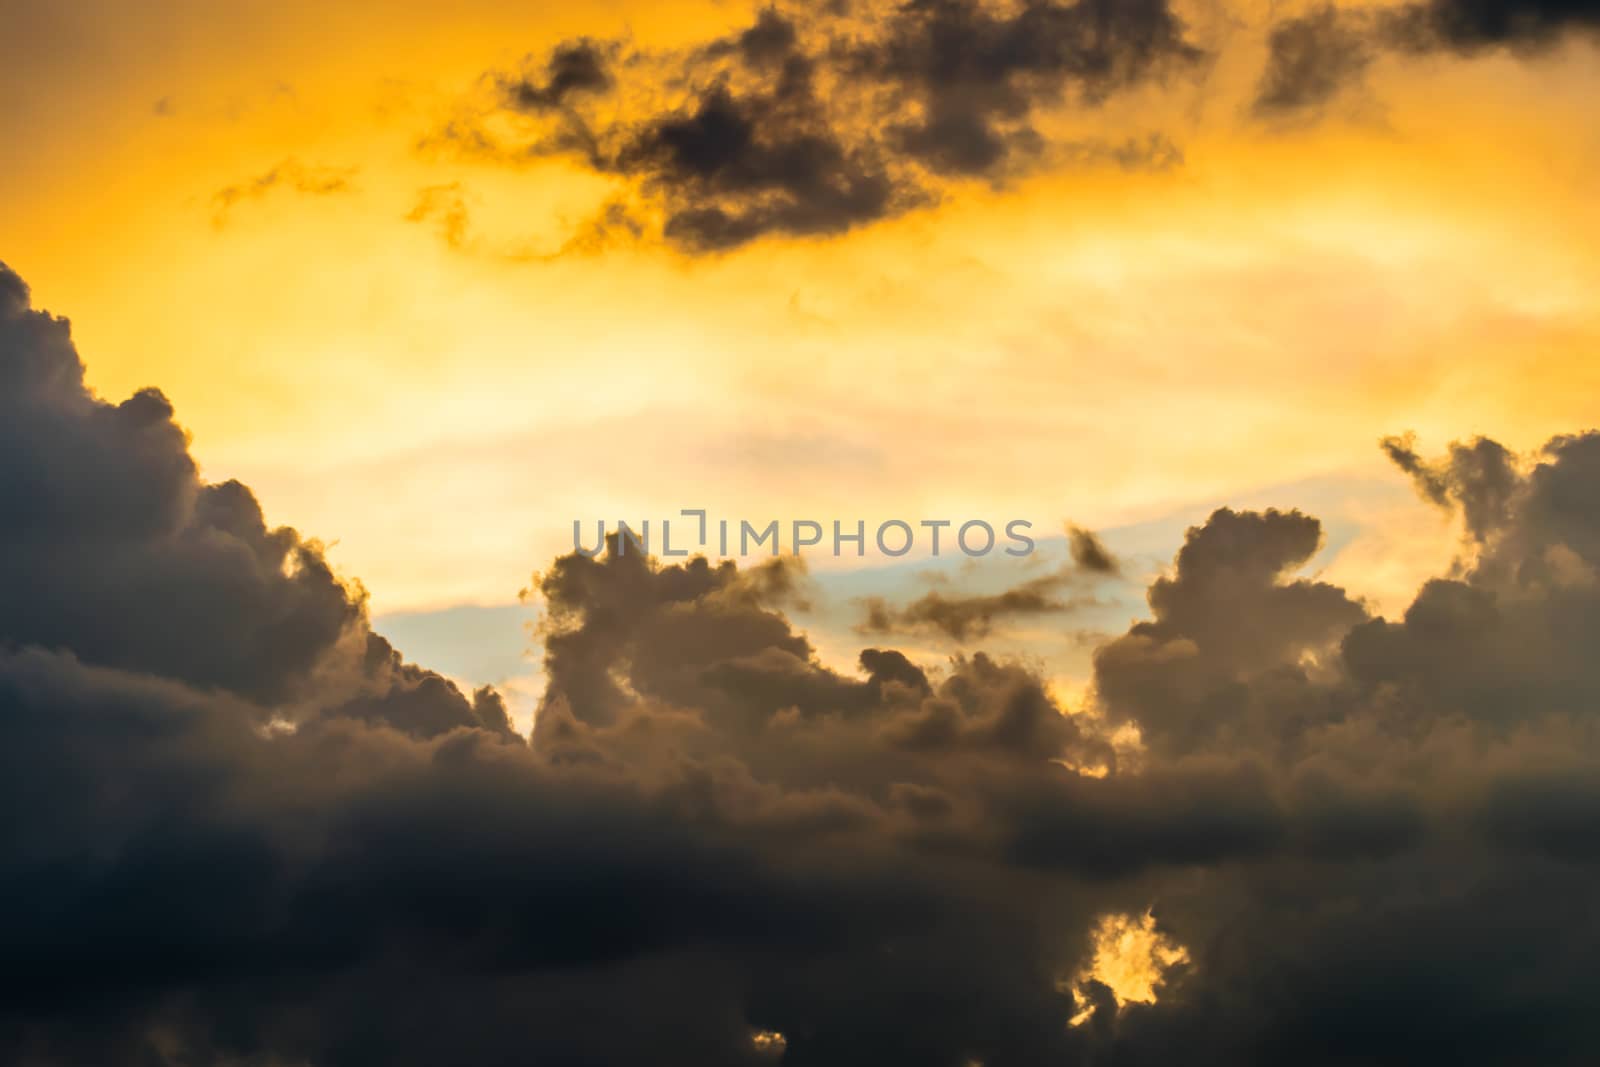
[1088, 343]
[1131, 957]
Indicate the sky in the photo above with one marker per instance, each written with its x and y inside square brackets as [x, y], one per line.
[241, 205]
[435, 355]
[1274, 322]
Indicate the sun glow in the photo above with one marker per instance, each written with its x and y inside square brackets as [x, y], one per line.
[1130, 957]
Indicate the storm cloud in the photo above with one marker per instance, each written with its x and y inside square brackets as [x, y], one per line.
[246, 831]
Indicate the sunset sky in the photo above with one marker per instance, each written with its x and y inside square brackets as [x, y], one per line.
[1080, 340]
[435, 280]
[411, 351]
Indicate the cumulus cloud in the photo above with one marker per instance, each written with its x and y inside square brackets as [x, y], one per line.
[248, 832]
[120, 555]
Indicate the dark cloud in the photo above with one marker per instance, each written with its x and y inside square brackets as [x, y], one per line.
[573, 68]
[975, 616]
[1089, 553]
[246, 831]
[1468, 26]
[1313, 57]
[813, 121]
[1229, 616]
[978, 73]
[1480, 478]
[291, 175]
[964, 617]
[116, 552]
[733, 167]
[1504, 636]
[1310, 59]
[1432, 772]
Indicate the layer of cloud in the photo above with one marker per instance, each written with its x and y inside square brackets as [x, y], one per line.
[248, 832]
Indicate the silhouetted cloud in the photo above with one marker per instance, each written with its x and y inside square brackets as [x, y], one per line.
[1469, 26]
[974, 616]
[814, 120]
[964, 617]
[1089, 554]
[1480, 478]
[119, 554]
[572, 69]
[1312, 57]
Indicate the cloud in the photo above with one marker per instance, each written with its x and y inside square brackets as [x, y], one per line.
[812, 121]
[290, 175]
[1310, 59]
[1230, 611]
[572, 69]
[248, 832]
[119, 554]
[1478, 478]
[446, 207]
[1314, 56]
[964, 617]
[816, 120]
[1089, 553]
[976, 616]
[1469, 26]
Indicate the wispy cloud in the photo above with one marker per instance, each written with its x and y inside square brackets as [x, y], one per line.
[288, 176]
